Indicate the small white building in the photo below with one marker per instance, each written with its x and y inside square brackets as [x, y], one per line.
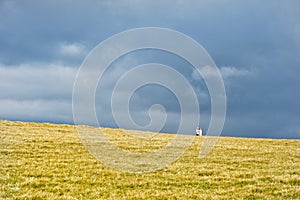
[199, 131]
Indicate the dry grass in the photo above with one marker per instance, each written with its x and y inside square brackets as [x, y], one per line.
[46, 161]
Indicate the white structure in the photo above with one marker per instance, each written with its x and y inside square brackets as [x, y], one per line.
[199, 131]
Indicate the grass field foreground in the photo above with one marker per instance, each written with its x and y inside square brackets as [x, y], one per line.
[48, 161]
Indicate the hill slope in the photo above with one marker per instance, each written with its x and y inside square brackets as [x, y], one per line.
[48, 161]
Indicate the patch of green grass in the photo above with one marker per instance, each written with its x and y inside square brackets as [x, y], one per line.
[47, 161]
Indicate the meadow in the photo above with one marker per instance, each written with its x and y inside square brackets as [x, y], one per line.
[49, 161]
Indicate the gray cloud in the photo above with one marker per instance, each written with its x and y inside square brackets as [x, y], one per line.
[56, 111]
[36, 92]
[36, 81]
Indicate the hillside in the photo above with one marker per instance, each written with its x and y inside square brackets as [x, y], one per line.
[48, 161]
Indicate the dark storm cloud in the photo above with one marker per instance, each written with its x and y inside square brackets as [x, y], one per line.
[255, 44]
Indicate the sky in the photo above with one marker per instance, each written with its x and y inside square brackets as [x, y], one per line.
[255, 45]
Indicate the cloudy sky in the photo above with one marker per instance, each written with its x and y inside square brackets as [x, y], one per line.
[255, 44]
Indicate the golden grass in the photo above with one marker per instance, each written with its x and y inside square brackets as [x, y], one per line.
[47, 161]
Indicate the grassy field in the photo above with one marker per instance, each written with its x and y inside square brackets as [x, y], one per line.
[47, 161]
